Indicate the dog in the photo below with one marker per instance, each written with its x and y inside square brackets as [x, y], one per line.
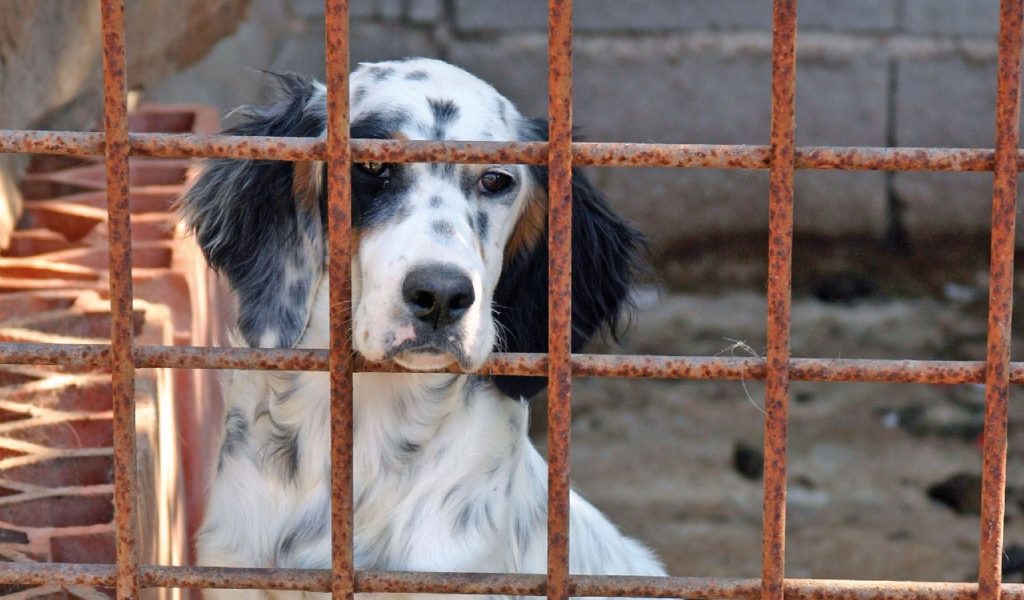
[449, 265]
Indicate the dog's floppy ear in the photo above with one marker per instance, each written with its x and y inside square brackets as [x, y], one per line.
[260, 223]
[605, 254]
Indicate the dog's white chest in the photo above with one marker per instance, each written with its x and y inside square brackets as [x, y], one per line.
[438, 477]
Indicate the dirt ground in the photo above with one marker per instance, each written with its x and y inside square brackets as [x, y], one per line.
[658, 456]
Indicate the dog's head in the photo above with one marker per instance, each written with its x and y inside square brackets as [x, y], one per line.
[450, 261]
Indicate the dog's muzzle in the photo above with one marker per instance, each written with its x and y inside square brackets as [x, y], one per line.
[438, 295]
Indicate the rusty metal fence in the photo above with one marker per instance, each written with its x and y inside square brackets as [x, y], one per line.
[781, 158]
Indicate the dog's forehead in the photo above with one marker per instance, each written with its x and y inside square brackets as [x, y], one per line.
[428, 99]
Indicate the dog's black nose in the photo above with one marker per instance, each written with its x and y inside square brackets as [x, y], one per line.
[438, 295]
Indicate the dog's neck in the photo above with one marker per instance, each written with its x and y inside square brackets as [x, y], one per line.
[400, 420]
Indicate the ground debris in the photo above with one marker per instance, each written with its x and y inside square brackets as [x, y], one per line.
[748, 460]
[960, 492]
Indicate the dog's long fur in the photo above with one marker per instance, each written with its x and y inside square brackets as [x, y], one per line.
[445, 476]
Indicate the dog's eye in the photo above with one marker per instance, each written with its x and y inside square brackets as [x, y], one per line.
[375, 169]
[494, 182]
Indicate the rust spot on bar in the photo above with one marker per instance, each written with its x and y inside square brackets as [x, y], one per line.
[559, 292]
[451, 583]
[780, 273]
[1000, 307]
[177, 145]
[152, 576]
[64, 143]
[583, 365]
[608, 154]
[115, 127]
[339, 227]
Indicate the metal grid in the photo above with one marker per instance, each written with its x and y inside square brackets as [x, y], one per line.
[781, 158]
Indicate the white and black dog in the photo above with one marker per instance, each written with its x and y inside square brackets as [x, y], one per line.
[450, 264]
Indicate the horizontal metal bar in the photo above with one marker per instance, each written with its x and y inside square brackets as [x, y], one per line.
[860, 158]
[492, 583]
[65, 143]
[943, 372]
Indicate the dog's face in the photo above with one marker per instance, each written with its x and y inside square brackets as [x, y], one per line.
[432, 236]
[450, 261]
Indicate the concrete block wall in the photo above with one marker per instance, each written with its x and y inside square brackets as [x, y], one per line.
[870, 72]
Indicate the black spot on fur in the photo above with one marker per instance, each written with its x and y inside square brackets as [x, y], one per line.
[436, 201]
[502, 111]
[475, 515]
[409, 447]
[606, 253]
[236, 430]
[284, 449]
[380, 124]
[298, 291]
[377, 200]
[417, 75]
[443, 229]
[467, 182]
[236, 434]
[482, 224]
[471, 391]
[311, 527]
[446, 170]
[240, 209]
[462, 520]
[445, 113]
[359, 95]
[380, 74]
[451, 494]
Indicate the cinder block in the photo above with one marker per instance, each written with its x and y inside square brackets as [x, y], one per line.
[612, 15]
[358, 9]
[423, 11]
[956, 17]
[301, 54]
[945, 102]
[848, 15]
[666, 15]
[674, 15]
[943, 204]
[842, 102]
[385, 9]
[369, 42]
[385, 41]
[496, 15]
[315, 8]
[839, 203]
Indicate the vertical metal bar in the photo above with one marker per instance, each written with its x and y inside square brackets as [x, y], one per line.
[339, 224]
[780, 249]
[559, 291]
[1000, 300]
[115, 126]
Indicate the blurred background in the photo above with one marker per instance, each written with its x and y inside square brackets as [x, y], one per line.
[884, 479]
